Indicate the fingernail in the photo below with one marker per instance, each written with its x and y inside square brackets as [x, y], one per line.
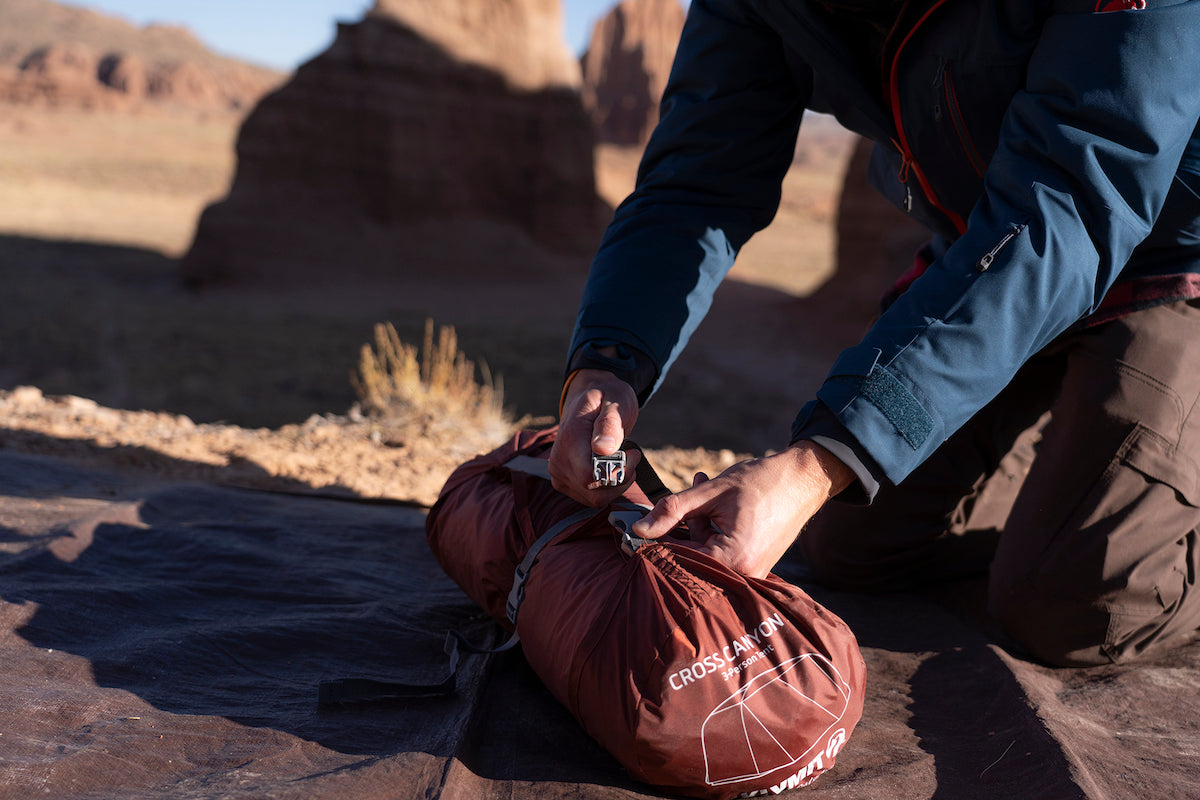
[641, 527]
[603, 441]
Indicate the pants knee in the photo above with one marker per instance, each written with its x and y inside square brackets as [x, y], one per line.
[1067, 629]
[836, 566]
[1052, 631]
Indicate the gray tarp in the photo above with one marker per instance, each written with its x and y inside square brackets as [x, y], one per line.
[167, 640]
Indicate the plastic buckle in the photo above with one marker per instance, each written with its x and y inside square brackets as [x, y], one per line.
[623, 520]
[608, 470]
[511, 608]
[517, 595]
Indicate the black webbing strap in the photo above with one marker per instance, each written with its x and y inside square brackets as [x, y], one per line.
[347, 691]
[361, 690]
[621, 518]
[645, 476]
[538, 467]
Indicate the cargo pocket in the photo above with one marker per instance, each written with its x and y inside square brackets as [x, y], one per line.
[1155, 558]
[1164, 462]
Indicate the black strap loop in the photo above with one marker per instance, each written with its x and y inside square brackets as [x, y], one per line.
[346, 691]
[645, 476]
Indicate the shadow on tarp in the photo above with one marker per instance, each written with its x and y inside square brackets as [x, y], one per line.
[237, 604]
[965, 707]
[971, 714]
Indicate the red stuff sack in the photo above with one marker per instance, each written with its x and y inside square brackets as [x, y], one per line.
[697, 679]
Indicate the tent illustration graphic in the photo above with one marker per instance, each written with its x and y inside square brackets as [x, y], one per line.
[743, 737]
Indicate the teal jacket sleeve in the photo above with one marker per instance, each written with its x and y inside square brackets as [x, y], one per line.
[709, 179]
[1086, 156]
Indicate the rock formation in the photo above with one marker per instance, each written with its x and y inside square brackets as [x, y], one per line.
[185, 83]
[518, 39]
[56, 55]
[626, 66]
[432, 137]
[124, 73]
[56, 74]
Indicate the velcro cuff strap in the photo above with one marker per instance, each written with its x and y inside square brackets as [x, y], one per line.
[860, 369]
[897, 403]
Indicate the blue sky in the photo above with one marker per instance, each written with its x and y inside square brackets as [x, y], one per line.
[283, 33]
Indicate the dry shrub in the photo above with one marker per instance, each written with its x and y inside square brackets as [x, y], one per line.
[434, 390]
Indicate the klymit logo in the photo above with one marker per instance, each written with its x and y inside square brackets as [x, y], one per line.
[835, 743]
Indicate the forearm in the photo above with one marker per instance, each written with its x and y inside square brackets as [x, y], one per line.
[710, 178]
[1073, 187]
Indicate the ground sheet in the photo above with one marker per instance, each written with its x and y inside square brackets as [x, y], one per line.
[167, 640]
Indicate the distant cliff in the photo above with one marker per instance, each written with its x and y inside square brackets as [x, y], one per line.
[56, 55]
[626, 66]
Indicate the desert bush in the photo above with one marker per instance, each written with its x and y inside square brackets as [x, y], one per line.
[435, 387]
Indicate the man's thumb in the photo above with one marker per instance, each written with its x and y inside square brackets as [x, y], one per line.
[609, 431]
[665, 516]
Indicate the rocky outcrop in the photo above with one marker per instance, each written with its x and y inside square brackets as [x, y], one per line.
[187, 84]
[626, 66]
[55, 55]
[124, 73]
[519, 40]
[56, 74]
[435, 136]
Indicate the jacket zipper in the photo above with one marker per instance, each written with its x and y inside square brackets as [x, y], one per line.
[909, 163]
[905, 166]
[960, 124]
[938, 78]
[990, 256]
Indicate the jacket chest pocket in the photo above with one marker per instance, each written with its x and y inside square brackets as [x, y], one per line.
[963, 110]
[948, 113]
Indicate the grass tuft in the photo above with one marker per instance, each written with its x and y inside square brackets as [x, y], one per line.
[435, 387]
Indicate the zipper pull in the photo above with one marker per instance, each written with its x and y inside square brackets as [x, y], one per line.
[990, 256]
[940, 75]
[902, 175]
[905, 165]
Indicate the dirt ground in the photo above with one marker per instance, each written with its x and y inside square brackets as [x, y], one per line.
[95, 209]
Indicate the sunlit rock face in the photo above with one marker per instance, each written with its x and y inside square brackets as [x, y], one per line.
[430, 134]
[626, 66]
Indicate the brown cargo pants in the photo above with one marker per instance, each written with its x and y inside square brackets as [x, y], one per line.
[1078, 488]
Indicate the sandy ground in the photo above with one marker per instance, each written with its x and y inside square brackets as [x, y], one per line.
[330, 455]
[138, 178]
[95, 208]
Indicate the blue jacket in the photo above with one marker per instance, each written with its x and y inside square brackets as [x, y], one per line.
[1054, 146]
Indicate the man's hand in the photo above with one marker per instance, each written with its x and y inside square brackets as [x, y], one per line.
[749, 515]
[599, 411]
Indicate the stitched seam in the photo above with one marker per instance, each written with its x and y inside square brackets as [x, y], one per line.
[1166, 391]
